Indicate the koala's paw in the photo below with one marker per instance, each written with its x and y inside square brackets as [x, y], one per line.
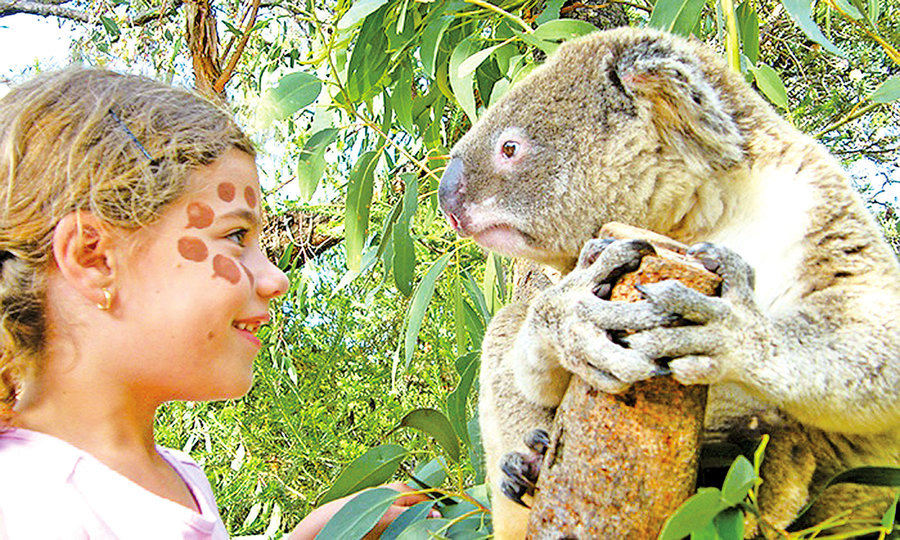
[576, 321]
[520, 470]
[723, 334]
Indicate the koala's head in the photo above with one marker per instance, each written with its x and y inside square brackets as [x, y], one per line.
[587, 138]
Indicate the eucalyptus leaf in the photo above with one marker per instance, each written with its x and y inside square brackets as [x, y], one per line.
[676, 16]
[563, 30]
[311, 162]
[356, 211]
[801, 12]
[849, 9]
[887, 91]
[874, 11]
[870, 476]
[369, 60]
[551, 11]
[474, 325]
[286, 256]
[476, 453]
[459, 322]
[426, 529]
[401, 99]
[693, 515]
[359, 515]
[359, 11]
[748, 25]
[291, 93]
[890, 515]
[434, 423]
[467, 365]
[468, 66]
[738, 481]
[419, 304]
[477, 296]
[111, 27]
[431, 473]
[404, 256]
[417, 512]
[729, 524]
[374, 467]
[462, 85]
[431, 43]
[770, 84]
[489, 284]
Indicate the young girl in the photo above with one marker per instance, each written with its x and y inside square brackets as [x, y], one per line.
[130, 275]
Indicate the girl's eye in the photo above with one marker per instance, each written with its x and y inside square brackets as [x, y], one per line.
[239, 236]
[509, 148]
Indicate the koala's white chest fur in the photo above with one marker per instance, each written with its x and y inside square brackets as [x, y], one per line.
[768, 223]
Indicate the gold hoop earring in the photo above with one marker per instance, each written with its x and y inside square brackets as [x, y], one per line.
[107, 300]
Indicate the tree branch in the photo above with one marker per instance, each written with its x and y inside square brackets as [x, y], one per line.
[42, 9]
[223, 78]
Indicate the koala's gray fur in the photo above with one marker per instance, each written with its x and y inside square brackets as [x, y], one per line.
[645, 128]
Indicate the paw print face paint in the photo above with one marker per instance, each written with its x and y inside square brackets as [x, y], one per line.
[200, 215]
[226, 191]
[250, 196]
[225, 267]
[192, 248]
[249, 274]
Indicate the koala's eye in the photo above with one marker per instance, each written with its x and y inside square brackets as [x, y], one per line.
[509, 148]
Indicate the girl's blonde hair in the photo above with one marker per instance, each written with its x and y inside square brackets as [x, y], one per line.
[119, 146]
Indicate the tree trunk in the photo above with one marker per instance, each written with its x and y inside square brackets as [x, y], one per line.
[619, 465]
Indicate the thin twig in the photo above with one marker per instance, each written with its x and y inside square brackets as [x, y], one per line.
[219, 85]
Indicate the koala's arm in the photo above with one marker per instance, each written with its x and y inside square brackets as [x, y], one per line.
[834, 362]
[830, 360]
[566, 328]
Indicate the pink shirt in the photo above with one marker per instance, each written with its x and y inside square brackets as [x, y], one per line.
[50, 489]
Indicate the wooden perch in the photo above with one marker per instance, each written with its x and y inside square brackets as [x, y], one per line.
[619, 465]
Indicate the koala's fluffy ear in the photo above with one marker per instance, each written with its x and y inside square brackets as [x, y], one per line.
[685, 108]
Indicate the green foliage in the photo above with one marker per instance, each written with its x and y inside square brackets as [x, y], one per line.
[718, 514]
[356, 104]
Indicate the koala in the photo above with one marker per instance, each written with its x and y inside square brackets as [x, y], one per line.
[653, 130]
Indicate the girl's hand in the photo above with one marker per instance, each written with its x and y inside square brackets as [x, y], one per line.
[313, 523]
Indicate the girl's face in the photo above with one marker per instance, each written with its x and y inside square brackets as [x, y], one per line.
[195, 288]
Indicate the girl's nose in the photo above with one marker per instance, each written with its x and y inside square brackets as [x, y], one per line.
[271, 282]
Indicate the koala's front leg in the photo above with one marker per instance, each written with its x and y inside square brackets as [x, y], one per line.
[572, 327]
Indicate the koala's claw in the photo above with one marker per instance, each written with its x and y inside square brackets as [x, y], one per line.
[520, 473]
[736, 274]
[522, 469]
[591, 250]
[538, 440]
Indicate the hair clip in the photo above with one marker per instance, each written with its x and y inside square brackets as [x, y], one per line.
[6, 255]
[133, 138]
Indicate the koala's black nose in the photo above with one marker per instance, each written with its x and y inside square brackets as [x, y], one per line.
[452, 182]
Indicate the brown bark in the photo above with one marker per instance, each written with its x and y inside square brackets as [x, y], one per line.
[619, 465]
[203, 42]
[298, 229]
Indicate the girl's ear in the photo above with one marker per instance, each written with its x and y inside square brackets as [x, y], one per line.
[83, 250]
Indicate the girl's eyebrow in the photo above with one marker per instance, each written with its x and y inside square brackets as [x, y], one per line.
[244, 214]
